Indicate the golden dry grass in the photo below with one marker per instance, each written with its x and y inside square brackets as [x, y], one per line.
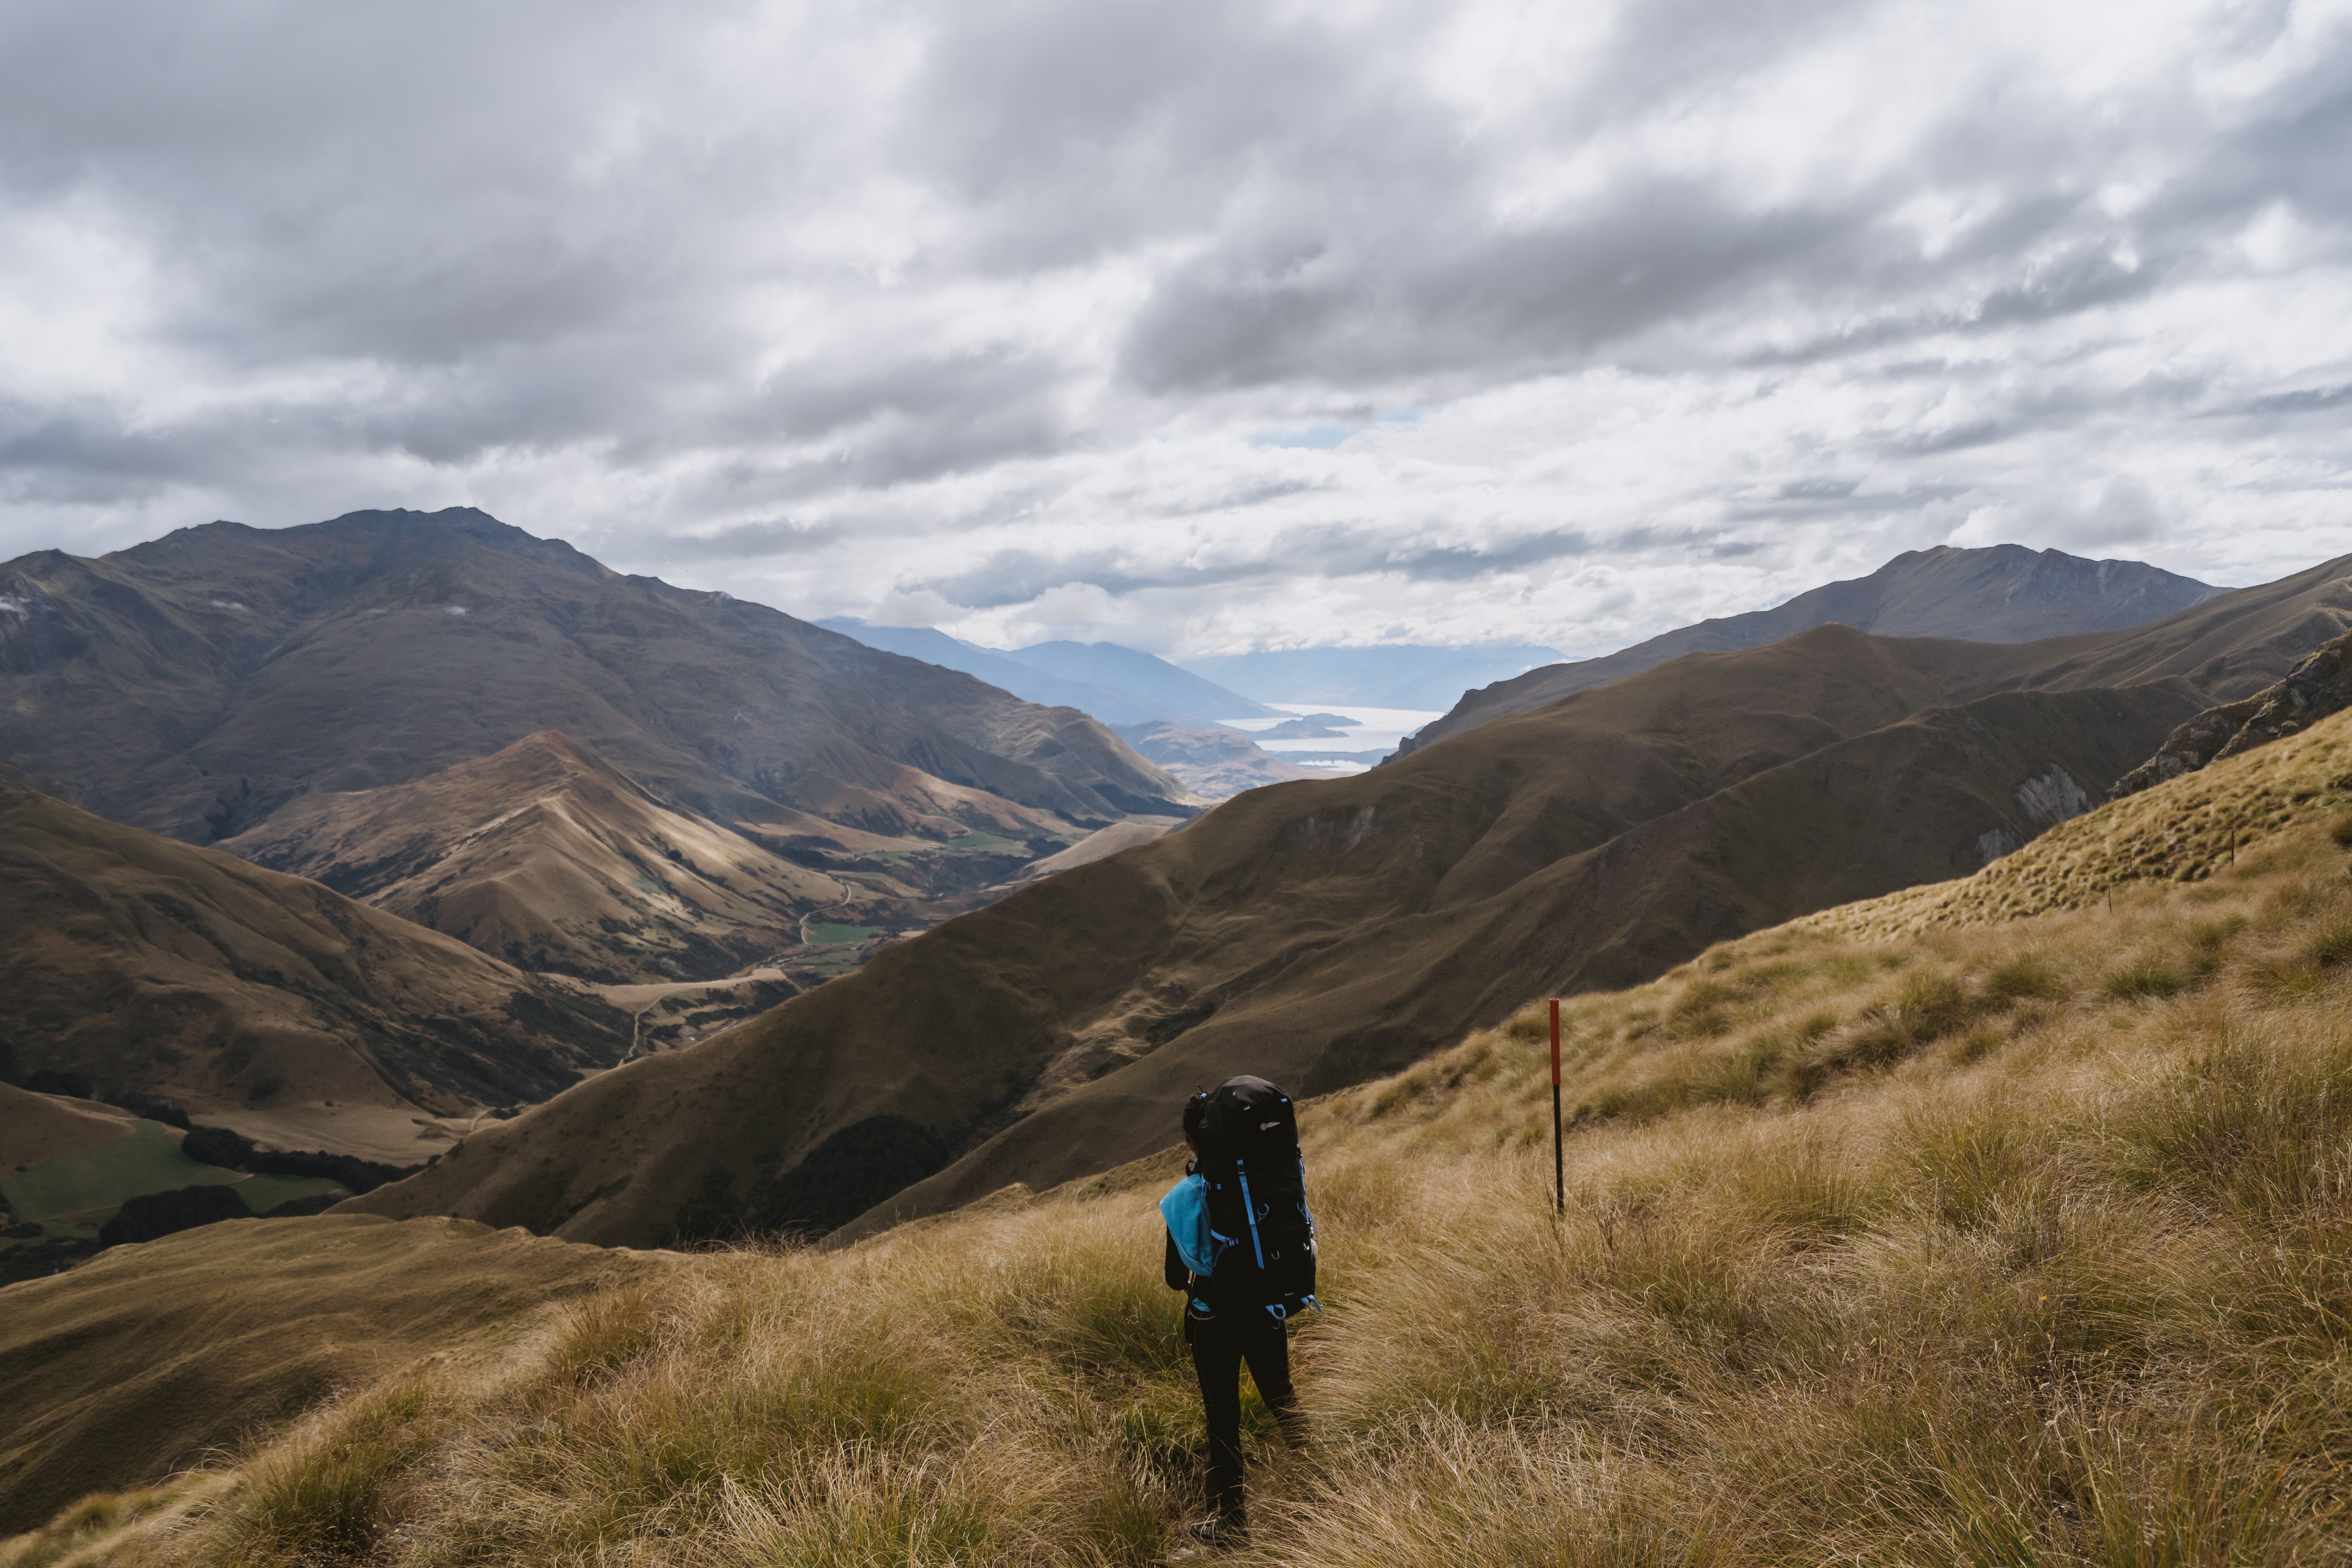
[2022, 1241]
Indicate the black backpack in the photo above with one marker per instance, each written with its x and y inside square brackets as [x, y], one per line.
[1262, 1230]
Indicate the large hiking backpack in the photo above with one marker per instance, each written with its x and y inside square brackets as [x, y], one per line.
[1262, 1229]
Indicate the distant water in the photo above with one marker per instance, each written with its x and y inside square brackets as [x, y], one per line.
[1375, 730]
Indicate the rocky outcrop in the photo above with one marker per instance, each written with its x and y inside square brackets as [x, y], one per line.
[2320, 686]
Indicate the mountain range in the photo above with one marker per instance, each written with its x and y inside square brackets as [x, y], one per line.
[1321, 932]
[2000, 593]
[329, 698]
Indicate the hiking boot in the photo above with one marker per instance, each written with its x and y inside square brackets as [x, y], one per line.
[1221, 1529]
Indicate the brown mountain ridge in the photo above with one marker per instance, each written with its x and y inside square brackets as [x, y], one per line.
[545, 855]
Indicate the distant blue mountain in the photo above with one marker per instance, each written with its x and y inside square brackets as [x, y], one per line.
[1131, 670]
[1049, 683]
[1410, 676]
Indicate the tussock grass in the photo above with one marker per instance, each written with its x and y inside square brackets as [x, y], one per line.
[1950, 1239]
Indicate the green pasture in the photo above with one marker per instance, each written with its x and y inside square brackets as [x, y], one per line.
[823, 933]
[147, 1161]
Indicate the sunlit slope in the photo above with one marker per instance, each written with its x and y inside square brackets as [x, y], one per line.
[2015, 1241]
[151, 968]
[1320, 933]
[150, 1358]
[545, 855]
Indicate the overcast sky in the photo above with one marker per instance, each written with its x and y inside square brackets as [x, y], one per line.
[1200, 326]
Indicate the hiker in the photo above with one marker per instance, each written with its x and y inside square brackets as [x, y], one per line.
[1240, 1246]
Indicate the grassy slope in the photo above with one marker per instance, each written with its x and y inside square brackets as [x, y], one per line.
[2025, 1240]
[149, 1358]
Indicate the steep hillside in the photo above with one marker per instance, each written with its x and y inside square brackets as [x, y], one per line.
[2196, 829]
[195, 684]
[2004, 593]
[2015, 1242]
[1322, 933]
[152, 969]
[547, 856]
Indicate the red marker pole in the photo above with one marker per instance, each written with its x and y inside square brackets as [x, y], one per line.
[1559, 1166]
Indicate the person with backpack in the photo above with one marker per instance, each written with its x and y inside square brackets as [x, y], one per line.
[1240, 1246]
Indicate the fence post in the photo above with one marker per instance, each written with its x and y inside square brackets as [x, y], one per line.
[1558, 1165]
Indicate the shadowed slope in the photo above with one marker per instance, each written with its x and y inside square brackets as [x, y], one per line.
[149, 967]
[546, 855]
[2006, 594]
[1320, 933]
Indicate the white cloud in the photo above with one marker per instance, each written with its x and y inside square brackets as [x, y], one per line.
[1195, 326]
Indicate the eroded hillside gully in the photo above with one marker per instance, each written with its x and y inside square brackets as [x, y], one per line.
[2003, 1219]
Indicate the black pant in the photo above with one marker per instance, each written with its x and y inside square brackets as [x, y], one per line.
[1219, 1344]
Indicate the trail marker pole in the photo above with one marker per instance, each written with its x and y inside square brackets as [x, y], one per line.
[1559, 1166]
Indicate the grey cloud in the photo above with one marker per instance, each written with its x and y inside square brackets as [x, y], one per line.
[1808, 499]
[747, 540]
[1454, 294]
[1016, 577]
[1932, 442]
[2303, 400]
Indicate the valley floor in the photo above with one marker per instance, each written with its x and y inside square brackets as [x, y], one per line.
[1957, 1233]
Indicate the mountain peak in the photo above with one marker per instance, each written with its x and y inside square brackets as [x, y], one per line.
[1994, 593]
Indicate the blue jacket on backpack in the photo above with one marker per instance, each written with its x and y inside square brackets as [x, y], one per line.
[1186, 1210]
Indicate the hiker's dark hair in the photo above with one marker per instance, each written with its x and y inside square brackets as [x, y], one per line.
[1194, 1109]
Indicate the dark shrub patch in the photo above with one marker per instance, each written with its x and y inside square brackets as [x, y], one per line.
[217, 1146]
